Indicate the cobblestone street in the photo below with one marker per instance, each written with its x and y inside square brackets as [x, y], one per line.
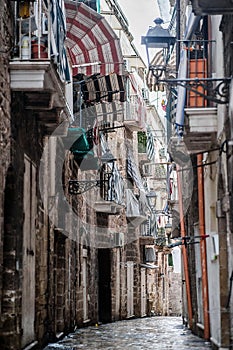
[135, 334]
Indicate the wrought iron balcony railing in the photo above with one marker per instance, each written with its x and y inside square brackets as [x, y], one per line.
[40, 33]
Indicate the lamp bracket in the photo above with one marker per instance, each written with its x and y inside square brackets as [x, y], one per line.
[79, 187]
[212, 89]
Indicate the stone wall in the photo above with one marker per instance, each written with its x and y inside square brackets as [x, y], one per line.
[6, 31]
[175, 294]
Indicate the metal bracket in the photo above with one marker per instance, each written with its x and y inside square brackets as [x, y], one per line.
[79, 187]
[211, 89]
[187, 240]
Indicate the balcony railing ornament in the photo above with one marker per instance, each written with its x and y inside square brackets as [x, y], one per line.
[211, 89]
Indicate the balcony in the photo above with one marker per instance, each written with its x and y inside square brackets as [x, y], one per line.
[146, 233]
[214, 7]
[108, 207]
[110, 200]
[134, 113]
[201, 114]
[201, 128]
[135, 209]
[36, 67]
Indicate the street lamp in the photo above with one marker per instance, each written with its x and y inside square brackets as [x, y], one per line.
[158, 37]
[212, 89]
[152, 198]
[168, 228]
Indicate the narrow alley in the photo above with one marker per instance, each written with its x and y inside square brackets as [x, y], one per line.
[116, 174]
[135, 334]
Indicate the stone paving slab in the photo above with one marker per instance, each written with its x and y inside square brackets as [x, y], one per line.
[134, 334]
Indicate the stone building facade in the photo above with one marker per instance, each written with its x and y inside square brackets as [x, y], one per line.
[6, 38]
[68, 260]
[206, 130]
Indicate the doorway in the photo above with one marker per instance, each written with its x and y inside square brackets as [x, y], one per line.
[105, 304]
[130, 289]
[28, 256]
[143, 292]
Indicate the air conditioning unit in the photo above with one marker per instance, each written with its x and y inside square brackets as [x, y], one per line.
[126, 64]
[118, 239]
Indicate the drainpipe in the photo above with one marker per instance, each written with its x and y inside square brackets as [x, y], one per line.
[184, 250]
[201, 211]
[177, 33]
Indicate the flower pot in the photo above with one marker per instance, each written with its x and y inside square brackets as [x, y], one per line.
[35, 51]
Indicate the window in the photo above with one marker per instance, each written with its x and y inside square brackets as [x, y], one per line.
[170, 260]
[91, 3]
[150, 254]
[142, 141]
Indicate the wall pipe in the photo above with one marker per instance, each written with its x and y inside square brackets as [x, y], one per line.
[184, 249]
[201, 211]
[178, 36]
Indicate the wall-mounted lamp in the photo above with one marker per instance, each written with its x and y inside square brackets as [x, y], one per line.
[212, 89]
[158, 37]
[152, 198]
[168, 228]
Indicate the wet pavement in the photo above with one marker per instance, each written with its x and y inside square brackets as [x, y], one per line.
[135, 334]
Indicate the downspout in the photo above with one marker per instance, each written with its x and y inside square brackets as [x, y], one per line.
[184, 250]
[177, 33]
[201, 211]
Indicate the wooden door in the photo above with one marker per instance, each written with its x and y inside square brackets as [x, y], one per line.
[28, 273]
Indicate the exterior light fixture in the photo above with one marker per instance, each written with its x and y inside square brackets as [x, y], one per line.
[212, 89]
[158, 37]
[168, 228]
[152, 198]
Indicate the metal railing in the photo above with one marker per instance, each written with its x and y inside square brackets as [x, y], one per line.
[33, 30]
[40, 32]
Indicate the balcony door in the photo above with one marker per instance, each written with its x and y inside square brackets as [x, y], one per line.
[28, 281]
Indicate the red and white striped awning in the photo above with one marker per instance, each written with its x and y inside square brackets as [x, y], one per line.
[158, 60]
[93, 46]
